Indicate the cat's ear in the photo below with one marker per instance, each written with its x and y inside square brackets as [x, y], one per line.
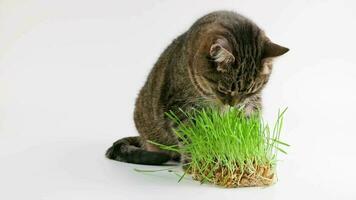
[273, 50]
[221, 55]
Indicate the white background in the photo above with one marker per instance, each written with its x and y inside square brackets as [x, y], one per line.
[70, 72]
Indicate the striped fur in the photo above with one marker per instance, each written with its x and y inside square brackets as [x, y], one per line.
[223, 59]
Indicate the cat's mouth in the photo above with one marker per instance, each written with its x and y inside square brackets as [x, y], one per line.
[231, 101]
[225, 104]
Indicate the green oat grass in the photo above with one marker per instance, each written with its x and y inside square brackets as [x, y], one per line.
[229, 149]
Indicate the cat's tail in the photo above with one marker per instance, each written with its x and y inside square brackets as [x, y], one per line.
[130, 150]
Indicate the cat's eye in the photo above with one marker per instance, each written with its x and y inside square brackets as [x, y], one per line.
[233, 86]
[249, 94]
[221, 89]
[210, 80]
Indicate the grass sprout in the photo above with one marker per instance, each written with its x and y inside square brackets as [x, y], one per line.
[229, 149]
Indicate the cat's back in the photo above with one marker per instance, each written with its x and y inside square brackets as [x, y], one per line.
[166, 62]
[160, 78]
[223, 17]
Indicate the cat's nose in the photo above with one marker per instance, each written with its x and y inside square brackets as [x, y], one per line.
[233, 102]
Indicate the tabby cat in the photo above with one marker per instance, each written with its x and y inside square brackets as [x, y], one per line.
[224, 59]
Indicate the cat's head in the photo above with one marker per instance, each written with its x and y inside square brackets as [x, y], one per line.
[235, 64]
